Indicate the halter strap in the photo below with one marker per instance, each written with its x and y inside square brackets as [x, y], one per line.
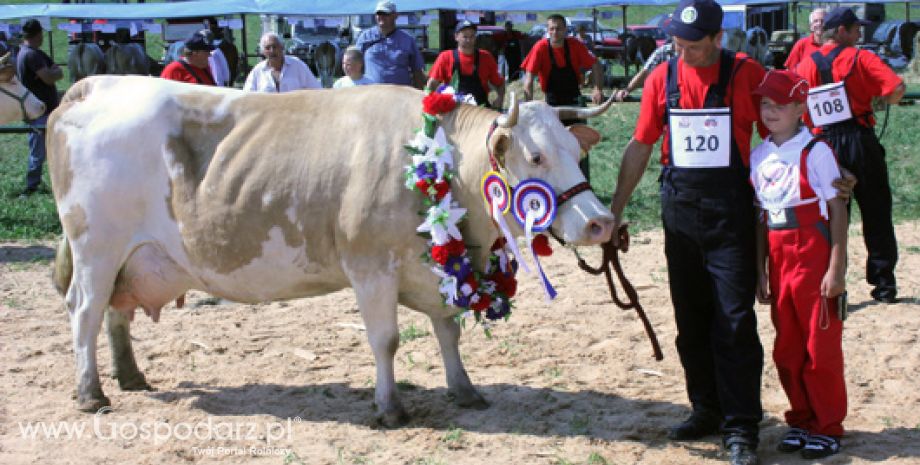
[22, 102]
[572, 192]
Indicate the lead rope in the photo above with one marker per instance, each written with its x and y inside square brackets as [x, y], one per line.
[611, 257]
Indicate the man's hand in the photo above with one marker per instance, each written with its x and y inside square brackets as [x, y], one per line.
[597, 96]
[844, 184]
[620, 94]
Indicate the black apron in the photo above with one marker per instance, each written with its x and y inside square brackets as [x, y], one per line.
[513, 57]
[562, 87]
[469, 83]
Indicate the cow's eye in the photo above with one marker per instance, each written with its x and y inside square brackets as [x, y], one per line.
[536, 158]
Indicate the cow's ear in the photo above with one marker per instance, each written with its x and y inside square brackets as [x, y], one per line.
[500, 144]
[587, 136]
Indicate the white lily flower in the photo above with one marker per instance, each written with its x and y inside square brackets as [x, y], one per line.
[448, 285]
[441, 221]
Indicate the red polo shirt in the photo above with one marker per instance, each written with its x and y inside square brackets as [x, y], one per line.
[537, 61]
[801, 50]
[693, 84]
[177, 72]
[443, 68]
[871, 77]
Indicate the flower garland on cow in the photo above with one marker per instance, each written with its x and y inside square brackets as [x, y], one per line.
[486, 294]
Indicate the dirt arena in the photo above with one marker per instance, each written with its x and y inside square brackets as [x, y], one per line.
[572, 382]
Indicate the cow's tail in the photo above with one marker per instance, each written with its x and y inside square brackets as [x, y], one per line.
[62, 272]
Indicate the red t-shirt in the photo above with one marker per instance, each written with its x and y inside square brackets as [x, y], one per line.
[443, 68]
[871, 77]
[537, 61]
[693, 84]
[801, 50]
[177, 72]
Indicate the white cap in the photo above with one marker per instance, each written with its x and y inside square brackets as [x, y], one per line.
[385, 6]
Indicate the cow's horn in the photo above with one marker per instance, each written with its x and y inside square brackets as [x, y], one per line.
[509, 120]
[570, 113]
[5, 59]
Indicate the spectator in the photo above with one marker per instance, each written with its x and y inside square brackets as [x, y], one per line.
[391, 56]
[468, 69]
[810, 43]
[217, 62]
[581, 33]
[38, 73]
[512, 49]
[353, 66]
[192, 66]
[279, 72]
[843, 114]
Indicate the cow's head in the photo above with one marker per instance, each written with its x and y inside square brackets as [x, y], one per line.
[16, 102]
[531, 142]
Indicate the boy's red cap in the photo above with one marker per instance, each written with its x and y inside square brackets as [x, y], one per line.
[783, 86]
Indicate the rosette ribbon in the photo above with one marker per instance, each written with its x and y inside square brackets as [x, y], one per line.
[534, 207]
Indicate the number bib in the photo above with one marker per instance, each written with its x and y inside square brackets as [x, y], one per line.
[700, 138]
[829, 104]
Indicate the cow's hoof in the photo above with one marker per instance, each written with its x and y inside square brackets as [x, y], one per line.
[393, 418]
[135, 384]
[93, 405]
[468, 399]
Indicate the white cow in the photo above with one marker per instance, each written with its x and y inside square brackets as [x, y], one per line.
[164, 187]
[16, 102]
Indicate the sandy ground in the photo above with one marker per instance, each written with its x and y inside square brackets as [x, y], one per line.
[572, 382]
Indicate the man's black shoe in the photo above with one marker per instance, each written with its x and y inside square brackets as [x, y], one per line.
[888, 295]
[742, 453]
[698, 426]
[27, 192]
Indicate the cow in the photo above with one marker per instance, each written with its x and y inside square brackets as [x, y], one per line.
[16, 102]
[325, 59]
[85, 59]
[129, 58]
[259, 197]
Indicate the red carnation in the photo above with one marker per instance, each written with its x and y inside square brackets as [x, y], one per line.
[423, 186]
[505, 283]
[471, 281]
[440, 254]
[482, 304]
[455, 247]
[441, 189]
[541, 246]
[436, 104]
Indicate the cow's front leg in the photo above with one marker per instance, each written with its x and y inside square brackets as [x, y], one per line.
[124, 367]
[376, 295]
[459, 387]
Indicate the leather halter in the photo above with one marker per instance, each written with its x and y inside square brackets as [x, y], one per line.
[22, 102]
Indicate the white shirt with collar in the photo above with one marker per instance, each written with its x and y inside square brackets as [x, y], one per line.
[295, 75]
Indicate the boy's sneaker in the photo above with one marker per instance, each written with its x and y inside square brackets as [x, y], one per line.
[793, 440]
[820, 446]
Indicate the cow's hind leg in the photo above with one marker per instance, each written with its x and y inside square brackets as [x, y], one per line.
[86, 302]
[459, 387]
[376, 294]
[124, 367]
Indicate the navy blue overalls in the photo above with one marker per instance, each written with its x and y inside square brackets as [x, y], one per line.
[709, 217]
[469, 84]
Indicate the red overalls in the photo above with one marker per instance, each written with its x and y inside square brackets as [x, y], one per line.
[808, 352]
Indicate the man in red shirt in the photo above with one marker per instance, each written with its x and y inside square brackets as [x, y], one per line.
[192, 66]
[810, 43]
[844, 115]
[468, 69]
[703, 102]
[559, 62]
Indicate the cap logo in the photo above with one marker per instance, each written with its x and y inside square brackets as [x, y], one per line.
[688, 16]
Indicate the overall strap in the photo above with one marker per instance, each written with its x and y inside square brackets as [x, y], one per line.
[825, 63]
[192, 72]
[805, 190]
[455, 73]
[715, 95]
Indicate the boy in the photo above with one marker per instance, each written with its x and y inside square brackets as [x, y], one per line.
[353, 66]
[804, 229]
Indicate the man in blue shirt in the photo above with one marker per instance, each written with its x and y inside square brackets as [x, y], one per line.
[391, 56]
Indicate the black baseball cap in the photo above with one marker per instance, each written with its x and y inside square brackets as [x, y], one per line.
[31, 27]
[198, 42]
[464, 25]
[694, 19]
[841, 16]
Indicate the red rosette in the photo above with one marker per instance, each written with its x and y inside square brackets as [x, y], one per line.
[423, 185]
[436, 104]
[482, 304]
[441, 188]
[541, 247]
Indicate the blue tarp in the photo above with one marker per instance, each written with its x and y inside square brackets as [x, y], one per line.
[313, 7]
